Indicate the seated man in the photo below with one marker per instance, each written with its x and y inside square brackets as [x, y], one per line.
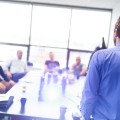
[5, 82]
[50, 77]
[78, 68]
[16, 68]
[51, 67]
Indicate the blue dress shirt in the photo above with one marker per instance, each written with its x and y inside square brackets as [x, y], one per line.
[101, 93]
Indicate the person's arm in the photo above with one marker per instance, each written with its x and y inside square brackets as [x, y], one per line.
[90, 91]
[73, 66]
[7, 68]
[8, 73]
[57, 68]
[4, 76]
[83, 71]
[46, 68]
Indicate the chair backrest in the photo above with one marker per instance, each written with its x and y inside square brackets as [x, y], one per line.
[29, 63]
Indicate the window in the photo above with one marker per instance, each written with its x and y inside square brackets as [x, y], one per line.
[8, 52]
[88, 27]
[15, 23]
[50, 26]
[45, 28]
[85, 57]
[38, 55]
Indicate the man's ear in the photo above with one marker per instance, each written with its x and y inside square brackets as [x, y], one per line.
[115, 33]
[115, 36]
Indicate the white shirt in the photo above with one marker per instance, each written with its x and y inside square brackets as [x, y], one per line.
[17, 66]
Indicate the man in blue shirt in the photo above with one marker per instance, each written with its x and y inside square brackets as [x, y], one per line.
[51, 68]
[51, 65]
[101, 93]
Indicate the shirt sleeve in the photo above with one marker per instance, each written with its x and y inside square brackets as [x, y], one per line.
[4, 76]
[8, 65]
[90, 90]
[58, 64]
[46, 62]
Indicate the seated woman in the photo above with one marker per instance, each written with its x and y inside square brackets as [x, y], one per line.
[5, 82]
[78, 68]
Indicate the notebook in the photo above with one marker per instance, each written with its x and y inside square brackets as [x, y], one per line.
[6, 103]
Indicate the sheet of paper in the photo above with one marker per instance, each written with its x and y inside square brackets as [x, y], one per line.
[4, 97]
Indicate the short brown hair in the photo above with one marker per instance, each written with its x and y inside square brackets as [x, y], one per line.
[117, 27]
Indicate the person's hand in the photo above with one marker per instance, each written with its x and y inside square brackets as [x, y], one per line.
[12, 83]
[9, 74]
[55, 69]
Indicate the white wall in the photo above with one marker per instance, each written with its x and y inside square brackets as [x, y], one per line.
[115, 15]
[60, 2]
[85, 3]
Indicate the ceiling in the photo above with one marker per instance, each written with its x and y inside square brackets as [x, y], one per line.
[106, 4]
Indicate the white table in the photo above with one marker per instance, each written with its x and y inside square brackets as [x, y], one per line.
[48, 110]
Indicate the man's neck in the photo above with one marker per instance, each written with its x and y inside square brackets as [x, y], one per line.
[117, 40]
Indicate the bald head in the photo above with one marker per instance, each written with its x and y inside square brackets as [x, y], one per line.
[51, 56]
[78, 60]
[19, 54]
